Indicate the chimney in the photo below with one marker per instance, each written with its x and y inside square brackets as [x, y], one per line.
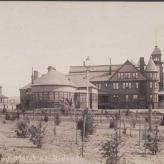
[110, 68]
[142, 64]
[50, 68]
[0, 90]
[83, 63]
[35, 75]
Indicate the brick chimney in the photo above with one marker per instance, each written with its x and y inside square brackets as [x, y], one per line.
[142, 64]
[0, 90]
[50, 68]
[35, 75]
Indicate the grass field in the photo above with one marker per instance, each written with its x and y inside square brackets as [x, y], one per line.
[62, 148]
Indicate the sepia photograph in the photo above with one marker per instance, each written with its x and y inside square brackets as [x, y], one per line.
[81, 82]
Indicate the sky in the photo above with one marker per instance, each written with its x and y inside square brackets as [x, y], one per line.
[60, 34]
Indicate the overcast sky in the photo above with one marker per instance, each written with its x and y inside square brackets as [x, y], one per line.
[39, 34]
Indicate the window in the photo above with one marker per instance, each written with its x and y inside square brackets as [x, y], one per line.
[137, 85]
[106, 85]
[122, 75]
[127, 85]
[128, 75]
[127, 98]
[135, 97]
[151, 84]
[119, 75]
[136, 75]
[150, 75]
[133, 75]
[156, 98]
[155, 85]
[115, 86]
[151, 97]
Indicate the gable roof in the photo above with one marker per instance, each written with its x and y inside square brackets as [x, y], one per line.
[128, 69]
[80, 81]
[151, 67]
[93, 68]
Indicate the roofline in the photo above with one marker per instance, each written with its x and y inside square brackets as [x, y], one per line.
[33, 85]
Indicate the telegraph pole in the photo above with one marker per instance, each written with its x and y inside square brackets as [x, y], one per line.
[87, 82]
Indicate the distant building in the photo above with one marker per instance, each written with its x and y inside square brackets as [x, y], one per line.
[3, 99]
[127, 85]
[54, 88]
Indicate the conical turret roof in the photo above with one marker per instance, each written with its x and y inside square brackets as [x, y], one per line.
[151, 67]
[156, 51]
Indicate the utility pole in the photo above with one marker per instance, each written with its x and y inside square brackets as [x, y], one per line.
[139, 130]
[54, 123]
[83, 135]
[87, 82]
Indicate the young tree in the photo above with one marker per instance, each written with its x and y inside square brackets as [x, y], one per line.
[110, 149]
[37, 134]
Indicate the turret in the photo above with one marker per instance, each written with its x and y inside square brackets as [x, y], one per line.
[156, 56]
[152, 86]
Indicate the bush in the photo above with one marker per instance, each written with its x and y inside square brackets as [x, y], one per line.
[46, 118]
[57, 119]
[36, 134]
[112, 124]
[151, 143]
[162, 121]
[7, 116]
[22, 128]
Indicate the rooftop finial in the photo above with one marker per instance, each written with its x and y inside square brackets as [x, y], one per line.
[156, 38]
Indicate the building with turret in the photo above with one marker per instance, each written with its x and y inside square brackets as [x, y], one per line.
[127, 85]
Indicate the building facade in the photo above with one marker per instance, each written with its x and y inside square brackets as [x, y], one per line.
[54, 89]
[127, 85]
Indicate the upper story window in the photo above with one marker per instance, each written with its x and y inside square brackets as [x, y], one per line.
[137, 85]
[151, 84]
[99, 86]
[115, 86]
[151, 75]
[122, 75]
[136, 75]
[155, 85]
[119, 75]
[106, 85]
[133, 75]
[127, 85]
[129, 75]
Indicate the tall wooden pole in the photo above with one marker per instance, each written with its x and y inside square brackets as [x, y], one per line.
[83, 135]
[139, 130]
[54, 124]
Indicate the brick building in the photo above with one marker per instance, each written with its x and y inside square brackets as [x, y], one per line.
[127, 85]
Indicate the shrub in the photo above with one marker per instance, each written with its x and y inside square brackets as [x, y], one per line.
[151, 143]
[46, 118]
[110, 150]
[7, 116]
[36, 134]
[57, 119]
[22, 128]
[162, 121]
